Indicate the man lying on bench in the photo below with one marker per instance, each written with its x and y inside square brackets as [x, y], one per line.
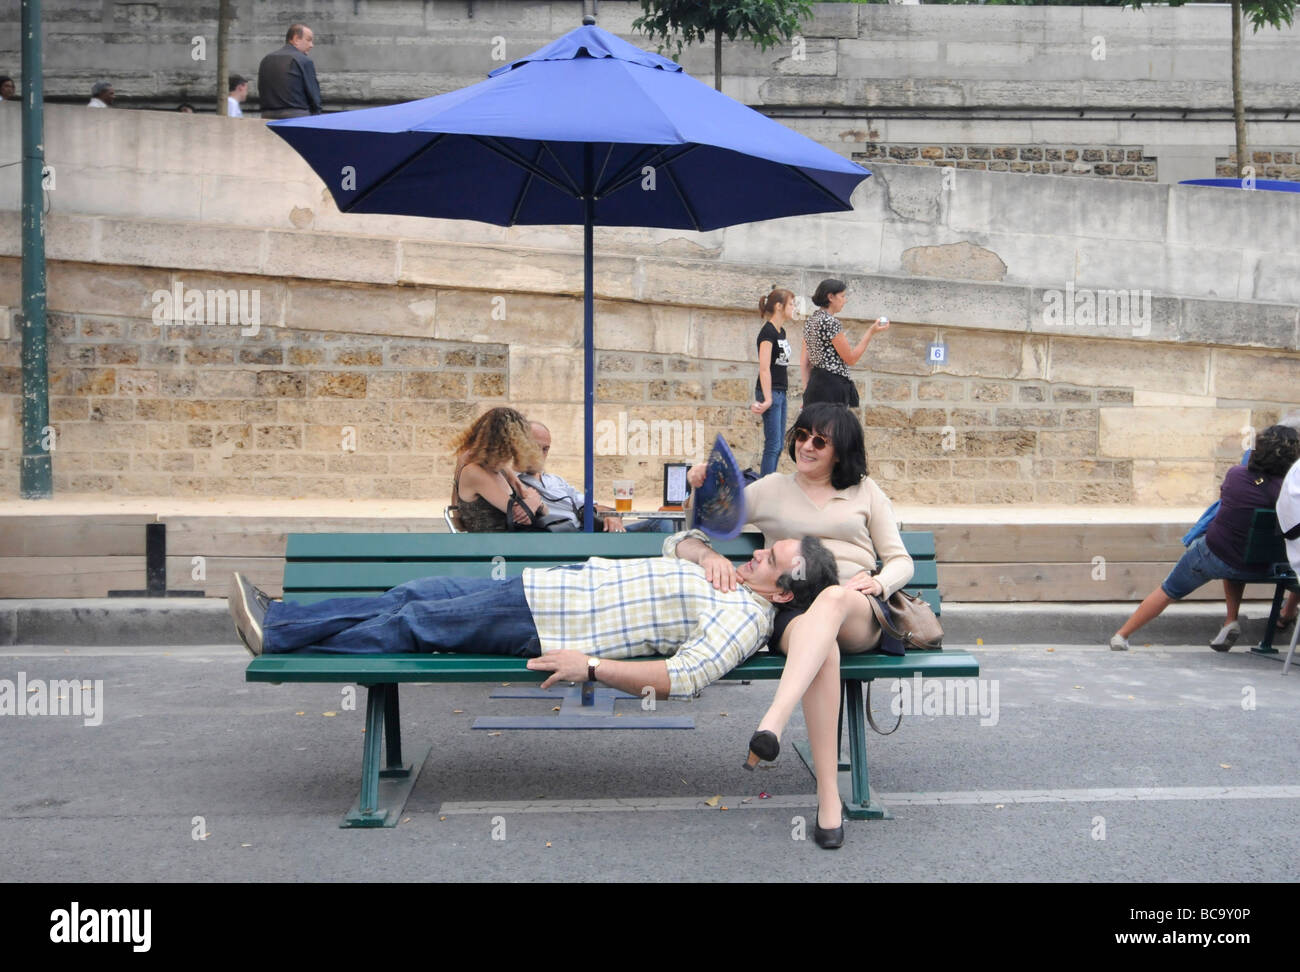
[577, 621]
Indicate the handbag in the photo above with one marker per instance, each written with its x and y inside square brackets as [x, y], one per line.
[544, 523]
[908, 621]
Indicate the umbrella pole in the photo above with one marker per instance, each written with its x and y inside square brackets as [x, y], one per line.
[588, 342]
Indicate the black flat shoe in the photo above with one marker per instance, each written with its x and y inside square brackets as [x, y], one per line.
[762, 745]
[828, 839]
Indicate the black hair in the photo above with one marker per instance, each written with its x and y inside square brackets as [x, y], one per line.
[235, 81]
[1276, 450]
[813, 573]
[844, 430]
[822, 297]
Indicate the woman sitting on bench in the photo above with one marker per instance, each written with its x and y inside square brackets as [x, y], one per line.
[831, 497]
[486, 488]
[1220, 553]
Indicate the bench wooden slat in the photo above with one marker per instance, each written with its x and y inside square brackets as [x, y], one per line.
[455, 667]
[380, 576]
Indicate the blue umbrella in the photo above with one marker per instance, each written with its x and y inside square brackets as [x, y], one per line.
[1275, 185]
[588, 130]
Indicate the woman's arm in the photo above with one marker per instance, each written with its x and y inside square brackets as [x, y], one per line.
[805, 365]
[850, 355]
[896, 563]
[764, 378]
[476, 481]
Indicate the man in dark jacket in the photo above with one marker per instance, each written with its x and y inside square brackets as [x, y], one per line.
[286, 79]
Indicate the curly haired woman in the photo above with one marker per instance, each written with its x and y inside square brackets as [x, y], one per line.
[488, 453]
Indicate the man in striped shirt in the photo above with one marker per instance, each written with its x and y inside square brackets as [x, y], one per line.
[582, 621]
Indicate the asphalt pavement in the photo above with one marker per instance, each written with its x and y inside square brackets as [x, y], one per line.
[1160, 764]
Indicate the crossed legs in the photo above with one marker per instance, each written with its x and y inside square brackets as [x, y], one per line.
[838, 619]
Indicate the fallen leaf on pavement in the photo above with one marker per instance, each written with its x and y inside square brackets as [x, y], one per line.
[1225, 766]
[712, 801]
[328, 714]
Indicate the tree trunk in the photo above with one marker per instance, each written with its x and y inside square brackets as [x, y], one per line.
[1238, 102]
[223, 57]
[717, 57]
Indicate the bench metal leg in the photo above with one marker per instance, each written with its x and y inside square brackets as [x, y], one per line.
[861, 806]
[1265, 647]
[383, 791]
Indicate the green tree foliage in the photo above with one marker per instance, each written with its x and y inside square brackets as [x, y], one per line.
[676, 23]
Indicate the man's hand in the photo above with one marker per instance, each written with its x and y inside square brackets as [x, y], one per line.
[614, 524]
[864, 582]
[720, 571]
[568, 665]
[696, 474]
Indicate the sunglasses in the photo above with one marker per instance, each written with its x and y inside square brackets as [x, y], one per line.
[819, 442]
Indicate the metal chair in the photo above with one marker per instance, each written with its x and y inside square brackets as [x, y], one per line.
[451, 514]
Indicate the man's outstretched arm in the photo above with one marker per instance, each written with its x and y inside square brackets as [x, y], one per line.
[570, 665]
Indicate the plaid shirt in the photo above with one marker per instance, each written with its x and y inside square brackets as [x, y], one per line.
[647, 607]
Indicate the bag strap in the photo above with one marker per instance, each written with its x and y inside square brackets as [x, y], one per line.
[511, 503]
[871, 720]
[887, 628]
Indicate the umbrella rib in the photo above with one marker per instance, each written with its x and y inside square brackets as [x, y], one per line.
[818, 186]
[631, 172]
[690, 212]
[560, 165]
[524, 164]
[519, 203]
[379, 183]
[609, 152]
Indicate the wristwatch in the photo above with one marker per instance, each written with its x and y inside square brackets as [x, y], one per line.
[591, 668]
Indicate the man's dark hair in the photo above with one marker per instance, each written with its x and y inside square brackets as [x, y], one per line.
[842, 427]
[1276, 450]
[294, 31]
[236, 80]
[814, 572]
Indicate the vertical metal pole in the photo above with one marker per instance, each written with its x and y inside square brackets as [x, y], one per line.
[588, 338]
[35, 478]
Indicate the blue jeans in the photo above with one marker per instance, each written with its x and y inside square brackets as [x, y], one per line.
[773, 432]
[1198, 566]
[472, 614]
[657, 525]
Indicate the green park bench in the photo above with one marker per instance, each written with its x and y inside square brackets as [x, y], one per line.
[321, 566]
[1265, 545]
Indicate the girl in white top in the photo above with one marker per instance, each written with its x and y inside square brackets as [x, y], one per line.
[831, 497]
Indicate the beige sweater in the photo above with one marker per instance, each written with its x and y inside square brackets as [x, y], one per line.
[857, 525]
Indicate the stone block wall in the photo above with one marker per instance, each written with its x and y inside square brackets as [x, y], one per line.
[1270, 163]
[347, 406]
[1126, 162]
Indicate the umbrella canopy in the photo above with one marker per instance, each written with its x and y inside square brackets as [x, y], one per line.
[1276, 185]
[588, 130]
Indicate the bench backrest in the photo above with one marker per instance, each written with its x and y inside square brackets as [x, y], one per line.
[324, 565]
[1264, 542]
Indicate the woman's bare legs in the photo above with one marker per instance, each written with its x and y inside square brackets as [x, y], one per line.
[1232, 592]
[821, 711]
[1148, 610]
[811, 645]
[807, 645]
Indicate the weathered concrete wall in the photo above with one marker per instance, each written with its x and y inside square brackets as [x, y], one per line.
[402, 329]
[865, 74]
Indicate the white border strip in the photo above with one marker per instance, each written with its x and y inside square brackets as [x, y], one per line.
[958, 798]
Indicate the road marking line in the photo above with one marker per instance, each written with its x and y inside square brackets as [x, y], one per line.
[956, 798]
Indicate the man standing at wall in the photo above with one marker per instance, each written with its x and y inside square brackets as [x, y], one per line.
[101, 95]
[286, 79]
